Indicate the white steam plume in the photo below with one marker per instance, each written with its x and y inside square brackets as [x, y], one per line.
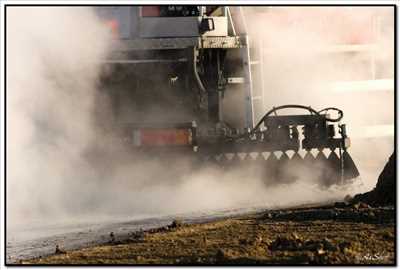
[52, 74]
[52, 77]
[301, 67]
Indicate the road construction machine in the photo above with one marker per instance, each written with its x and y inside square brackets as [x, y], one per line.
[188, 79]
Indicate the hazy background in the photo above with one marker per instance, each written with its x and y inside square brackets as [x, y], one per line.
[59, 168]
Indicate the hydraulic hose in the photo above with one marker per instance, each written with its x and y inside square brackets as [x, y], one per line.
[295, 106]
[196, 74]
[340, 113]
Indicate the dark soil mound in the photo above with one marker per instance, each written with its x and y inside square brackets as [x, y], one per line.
[384, 192]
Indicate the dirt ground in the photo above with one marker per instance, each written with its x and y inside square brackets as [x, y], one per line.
[339, 234]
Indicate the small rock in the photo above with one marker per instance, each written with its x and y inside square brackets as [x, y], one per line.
[243, 241]
[137, 236]
[59, 250]
[295, 236]
[328, 245]
[343, 246]
[356, 206]
[176, 224]
[112, 237]
[268, 215]
[139, 258]
[258, 239]
[283, 243]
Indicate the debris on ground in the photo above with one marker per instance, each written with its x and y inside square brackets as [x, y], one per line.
[112, 237]
[301, 244]
[359, 212]
[177, 223]
[59, 250]
[324, 235]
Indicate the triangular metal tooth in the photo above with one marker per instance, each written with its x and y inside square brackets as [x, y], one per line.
[260, 157]
[266, 154]
[349, 167]
[297, 157]
[235, 160]
[284, 157]
[253, 155]
[229, 156]
[272, 157]
[321, 156]
[326, 151]
[217, 157]
[242, 156]
[291, 153]
[278, 154]
[334, 160]
[249, 157]
[314, 152]
[309, 157]
[301, 152]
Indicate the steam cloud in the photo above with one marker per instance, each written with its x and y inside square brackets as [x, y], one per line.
[59, 166]
[52, 75]
[301, 67]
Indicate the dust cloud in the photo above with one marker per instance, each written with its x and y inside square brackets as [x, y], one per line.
[60, 166]
[51, 83]
[307, 60]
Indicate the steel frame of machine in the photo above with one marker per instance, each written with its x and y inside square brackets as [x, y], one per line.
[315, 130]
